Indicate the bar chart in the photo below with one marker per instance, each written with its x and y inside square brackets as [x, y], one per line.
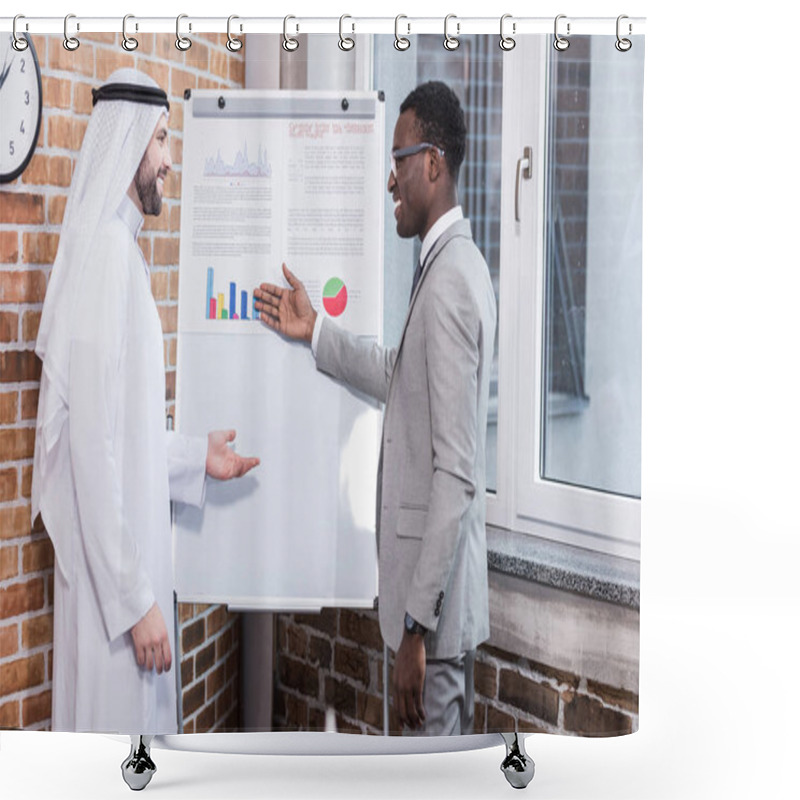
[230, 306]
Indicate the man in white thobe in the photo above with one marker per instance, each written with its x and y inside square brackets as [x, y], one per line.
[105, 467]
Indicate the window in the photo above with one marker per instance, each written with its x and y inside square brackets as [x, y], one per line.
[563, 444]
[570, 366]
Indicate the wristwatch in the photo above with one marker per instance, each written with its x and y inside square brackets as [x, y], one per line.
[412, 626]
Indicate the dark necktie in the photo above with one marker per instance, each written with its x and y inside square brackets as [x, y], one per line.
[417, 276]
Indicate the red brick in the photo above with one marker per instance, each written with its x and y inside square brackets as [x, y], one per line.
[9, 714]
[9, 251]
[204, 660]
[66, 132]
[9, 326]
[324, 622]
[529, 696]
[159, 72]
[185, 612]
[25, 486]
[320, 652]
[299, 676]
[21, 598]
[9, 486]
[193, 699]
[26, 286]
[297, 641]
[352, 662]
[39, 248]
[37, 556]
[36, 709]
[9, 639]
[30, 326]
[589, 717]
[180, 80]
[17, 443]
[621, 698]
[37, 631]
[48, 171]
[18, 366]
[370, 710]
[215, 681]
[485, 679]
[197, 56]
[360, 628]
[82, 103]
[78, 61]
[55, 208]
[57, 93]
[29, 403]
[205, 720]
[159, 285]
[193, 636]
[498, 721]
[15, 522]
[8, 408]
[24, 673]
[187, 671]
[166, 251]
[21, 208]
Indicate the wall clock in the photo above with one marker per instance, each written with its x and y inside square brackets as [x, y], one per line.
[21, 102]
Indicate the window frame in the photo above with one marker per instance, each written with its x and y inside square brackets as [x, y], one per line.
[524, 500]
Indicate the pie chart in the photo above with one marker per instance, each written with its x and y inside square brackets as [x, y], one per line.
[334, 297]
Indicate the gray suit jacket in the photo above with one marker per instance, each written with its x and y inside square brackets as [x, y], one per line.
[431, 516]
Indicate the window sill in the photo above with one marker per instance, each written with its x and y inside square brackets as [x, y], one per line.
[562, 566]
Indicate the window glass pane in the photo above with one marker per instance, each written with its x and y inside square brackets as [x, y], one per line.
[474, 72]
[591, 403]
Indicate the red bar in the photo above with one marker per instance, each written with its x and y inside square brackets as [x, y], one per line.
[212, 308]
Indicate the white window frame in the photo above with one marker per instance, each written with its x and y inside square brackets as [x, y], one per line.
[524, 501]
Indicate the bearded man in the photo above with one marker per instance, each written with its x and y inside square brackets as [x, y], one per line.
[105, 468]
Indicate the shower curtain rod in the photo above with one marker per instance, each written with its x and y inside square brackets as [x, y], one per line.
[405, 25]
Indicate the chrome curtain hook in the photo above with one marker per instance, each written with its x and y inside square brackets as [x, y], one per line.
[560, 42]
[70, 42]
[128, 42]
[507, 42]
[623, 45]
[345, 43]
[233, 44]
[182, 42]
[451, 42]
[20, 43]
[400, 42]
[290, 44]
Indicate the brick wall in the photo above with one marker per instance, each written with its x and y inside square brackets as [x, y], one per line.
[335, 660]
[31, 210]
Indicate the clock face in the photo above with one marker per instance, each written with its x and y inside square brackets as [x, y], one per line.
[21, 101]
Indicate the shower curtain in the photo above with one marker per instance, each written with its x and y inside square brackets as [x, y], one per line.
[284, 155]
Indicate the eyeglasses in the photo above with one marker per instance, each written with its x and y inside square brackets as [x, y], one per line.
[405, 152]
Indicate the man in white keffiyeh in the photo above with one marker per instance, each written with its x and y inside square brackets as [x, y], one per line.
[104, 466]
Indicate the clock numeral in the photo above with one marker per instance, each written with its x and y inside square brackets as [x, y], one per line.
[11, 148]
[22, 127]
[27, 98]
[22, 65]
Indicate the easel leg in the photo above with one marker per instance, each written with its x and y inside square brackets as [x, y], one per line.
[518, 766]
[138, 768]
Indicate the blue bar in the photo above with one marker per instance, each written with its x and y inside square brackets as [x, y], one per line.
[244, 305]
[232, 312]
[209, 291]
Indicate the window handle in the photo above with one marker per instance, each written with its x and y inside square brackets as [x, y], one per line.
[524, 170]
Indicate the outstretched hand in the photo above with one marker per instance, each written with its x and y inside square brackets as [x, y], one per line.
[288, 311]
[222, 461]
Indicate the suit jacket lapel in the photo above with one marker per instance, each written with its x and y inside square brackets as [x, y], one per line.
[460, 228]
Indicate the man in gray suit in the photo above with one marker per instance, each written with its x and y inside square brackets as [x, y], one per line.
[433, 586]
